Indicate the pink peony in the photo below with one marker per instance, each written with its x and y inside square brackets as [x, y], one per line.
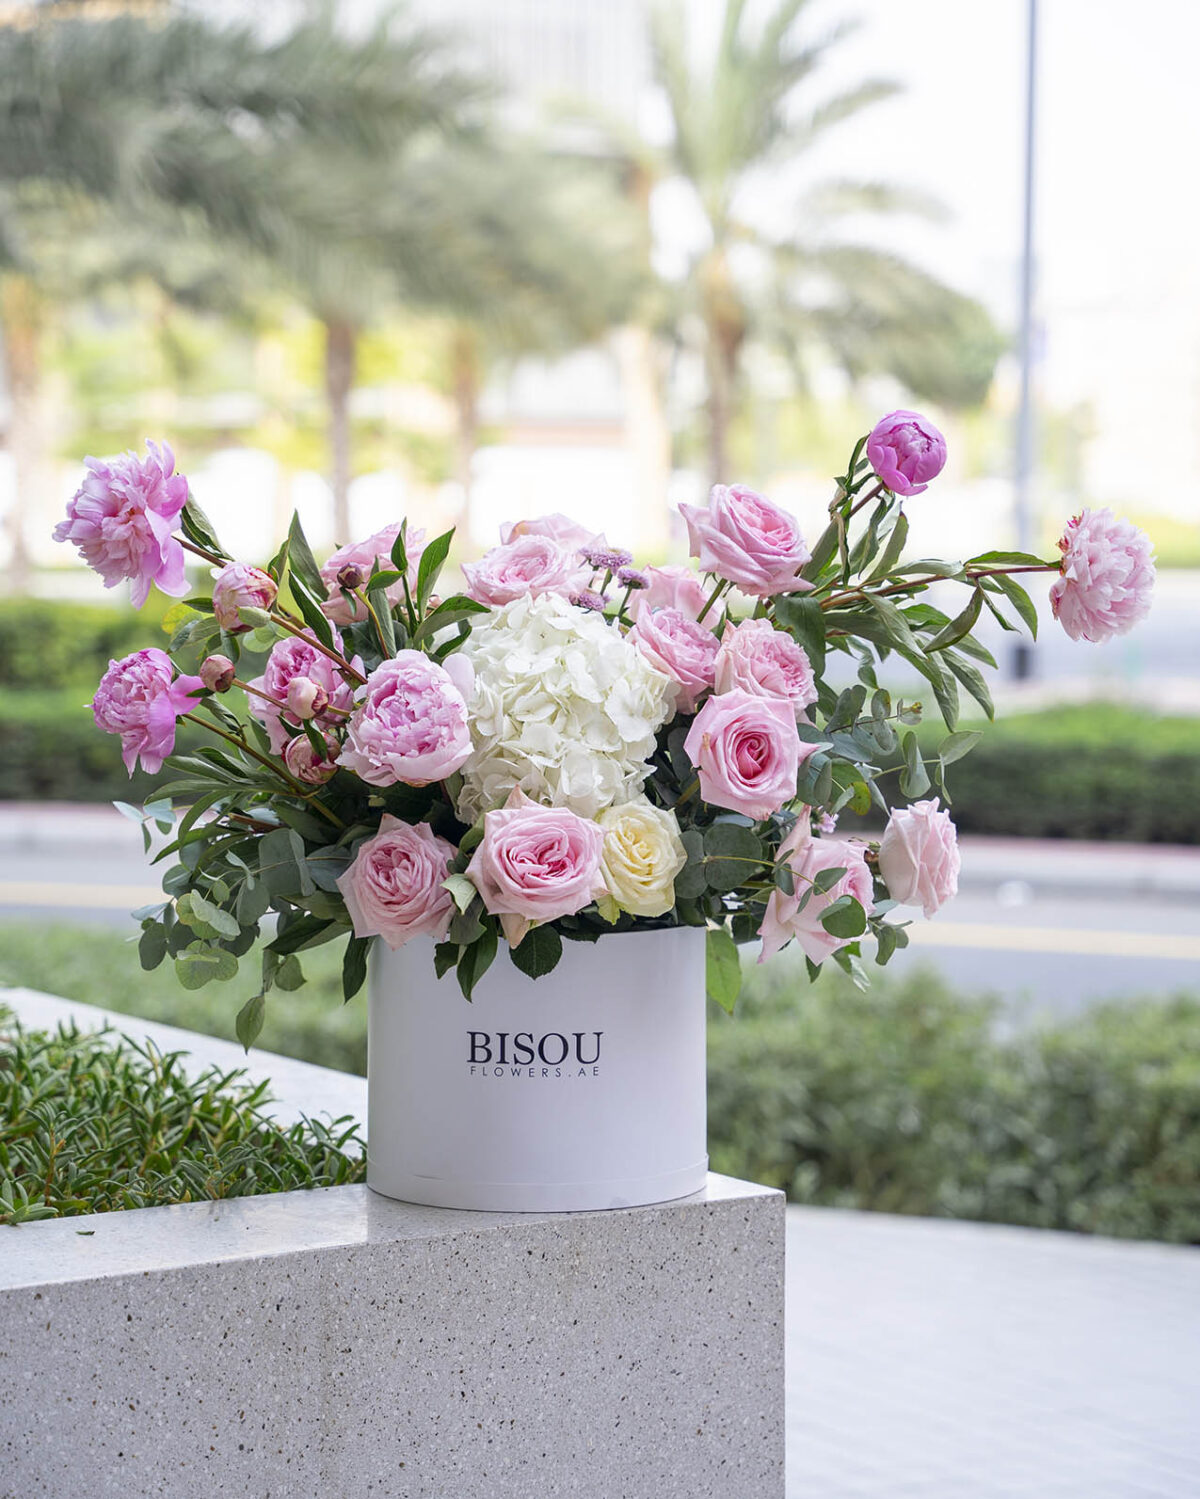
[746, 752]
[394, 889]
[670, 588]
[526, 565]
[303, 761]
[364, 555]
[536, 863]
[218, 673]
[744, 538]
[918, 857]
[138, 699]
[807, 857]
[557, 527]
[681, 648]
[1107, 577]
[906, 451]
[236, 587]
[757, 658]
[123, 519]
[298, 656]
[410, 726]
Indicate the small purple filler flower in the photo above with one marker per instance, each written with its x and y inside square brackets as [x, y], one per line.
[606, 559]
[906, 451]
[587, 598]
[123, 518]
[632, 577]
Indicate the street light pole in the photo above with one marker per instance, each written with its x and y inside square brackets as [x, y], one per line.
[1022, 500]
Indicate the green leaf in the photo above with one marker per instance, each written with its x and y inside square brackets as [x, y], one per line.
[461, 889]
[914, 778]
[885, 942]
[289, 975]
[445, 955]
[449, 612]
[730, 854]
[400, 549]
[281, 863]
[825, 879]
[354, 966]
[152, 946]
[199, 964]
[475, 961]
[822, 554]
[972, 679]
[538, 952]
[1021, 601]
[955, 746]
[844, 918]
[691, 880]
[962, 624]
[433, 559]
[1014, 559]
[893, 549]
[249, 1022]
[723, 969]
[895, 624]
[311, 610]
[198, 528]
[383, 622]
[301, 560]
[804, 621]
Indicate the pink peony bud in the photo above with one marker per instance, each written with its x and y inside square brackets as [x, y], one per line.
[302, 759]
[906, 451]
[237, 587]
[217, 673]
[306, 698]
[1107, 577]
[351, 577]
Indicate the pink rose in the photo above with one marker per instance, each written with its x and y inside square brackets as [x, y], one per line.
[1107, 577]
[298, 656]
[394, 889]
[807, 857]
[138, 699]
[670, 588]
[527, 565]
[744, 538]
[918, 857]
[236, 587]
[536, 863]
[410, 726]
[558, 527]
[757, 658]
[681, 648]
[306, 764]
[123, 519]
[906, 451]
[364, 555]
[747, 753]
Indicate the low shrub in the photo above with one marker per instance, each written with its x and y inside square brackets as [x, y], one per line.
[47, 643]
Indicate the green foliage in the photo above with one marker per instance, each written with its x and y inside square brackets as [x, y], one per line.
[93, 1123]
[46, 644]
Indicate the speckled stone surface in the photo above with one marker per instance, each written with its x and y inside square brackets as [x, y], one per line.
[331, 1345]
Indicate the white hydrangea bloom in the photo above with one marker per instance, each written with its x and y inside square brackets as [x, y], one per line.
[563, 706]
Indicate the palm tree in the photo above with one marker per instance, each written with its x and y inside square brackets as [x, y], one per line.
[741, 119]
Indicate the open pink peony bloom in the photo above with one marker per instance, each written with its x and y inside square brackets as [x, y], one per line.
[123, 519]
[536, 863]
[238, 586]
[1107, 578]
[140, 698]
[557, 527]
[393, 889]
[906, 451]
[747, 753]
[742, 537]
[295, 657]
[807, 857]
[364, 555]
[681, 648]
[919, 858]
[670, 588]
[530, 565]
[757, 658]
[410, 726]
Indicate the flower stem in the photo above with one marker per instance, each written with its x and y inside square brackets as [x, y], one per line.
[301, 791]
[867, 498]
[722, 585]
[199, 550]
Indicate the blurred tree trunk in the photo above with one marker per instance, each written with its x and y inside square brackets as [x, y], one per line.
[341, 343]
[647, 434]
[725, 332]
[21, 323]
[465, 381]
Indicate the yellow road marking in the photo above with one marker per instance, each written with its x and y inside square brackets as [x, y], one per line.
[94, 897]
[1078, 941]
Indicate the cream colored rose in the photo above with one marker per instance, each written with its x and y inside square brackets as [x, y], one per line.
[643, 853]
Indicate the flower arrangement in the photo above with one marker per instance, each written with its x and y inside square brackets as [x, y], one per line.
[571, 746]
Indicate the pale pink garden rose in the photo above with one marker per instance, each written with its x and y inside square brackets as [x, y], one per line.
[530, 565]
[536, 863]
[123, 519]
[919, 858]
[298, 656]
[393, 889]
[757, 658]
[238, 586]
[744, 538]
[678, 646]
[364, 555]
[747, 753]
[140, 698]
[806, 856]
[561, 528]
[1107, 579]
[906, 450]
[306, 764]
[410, 725]
[670, 588]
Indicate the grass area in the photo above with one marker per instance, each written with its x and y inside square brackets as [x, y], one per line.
[92, 1122]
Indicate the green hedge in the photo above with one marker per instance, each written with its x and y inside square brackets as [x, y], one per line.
[46, 644]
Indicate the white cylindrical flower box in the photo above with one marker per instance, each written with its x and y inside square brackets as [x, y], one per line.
[582, 1089]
